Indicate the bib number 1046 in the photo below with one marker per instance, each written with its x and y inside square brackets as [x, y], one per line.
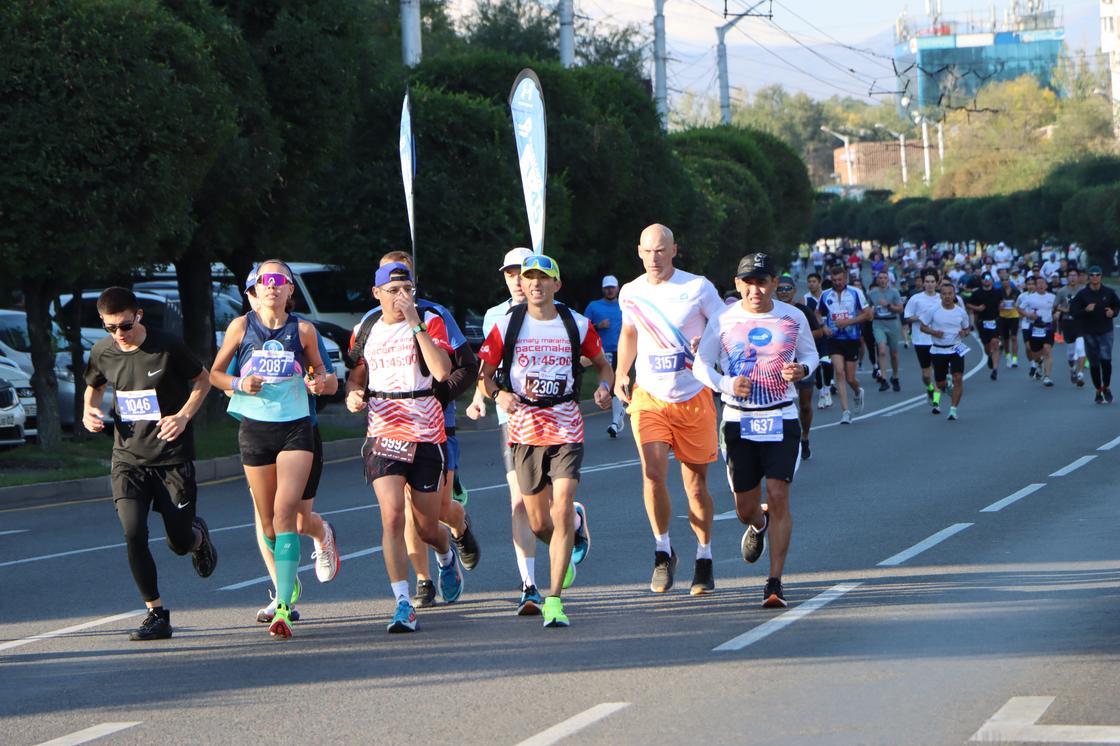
[138, 405]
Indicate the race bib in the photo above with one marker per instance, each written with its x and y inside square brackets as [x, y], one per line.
[989, 324]
[1007, 305]
[544, 388]
[273, 366]
[883, 312]
[138, 405]
[667, 363]
[961, 349]
[761, 427]
[840, 315]
[1038, 332]
[394, 450]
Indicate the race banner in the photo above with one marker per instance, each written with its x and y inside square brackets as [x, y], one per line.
[526, 103]
[408, 167]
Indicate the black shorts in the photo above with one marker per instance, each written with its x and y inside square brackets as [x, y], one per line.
[1071, 330]
[846, 348]
[507, 454]
[424, 474]
[945, 364]
[165, 487]
[748, 461]
[316, 466]
[261, 442]
[922, 351]
[1027, 335]
[1006, 328]
[1036, 343]
[987, 335]
[538, 466]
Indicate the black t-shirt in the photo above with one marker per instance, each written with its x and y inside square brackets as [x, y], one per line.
[1095, 321]
[989, 299]
[162, 363]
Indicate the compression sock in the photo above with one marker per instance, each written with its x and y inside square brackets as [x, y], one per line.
[936, 398]
[287, 564]
[270, 543]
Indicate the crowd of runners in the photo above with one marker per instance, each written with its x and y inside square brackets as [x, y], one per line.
[698, 375]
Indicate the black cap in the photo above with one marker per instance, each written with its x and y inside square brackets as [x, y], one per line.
[759, 266]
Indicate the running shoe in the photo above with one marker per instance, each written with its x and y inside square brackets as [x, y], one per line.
[1107, 396]
[952, 414]
[404, 620]
[824, 401]
[205, 558]
[553, 613]
[664, 568]
[883, 385]
[1008, 360]
[156, 626]
[1072, 375]
[773, 596]
[582, 542]
[703, 581]
[995, 374]
[326, 556]
[1080, 379]
[1099, 398]
[265, 615]
[845, 417]
[895, 385]
[1015, 361]
[467, 544]
[612, 430]
[754, 541]
[459, 493]
[531, 601]
[859, 401]
[935, 410]
[450, 580]
[806, 454]
[425, 595]
[569, 576]
[281, 622]
[1047, 381]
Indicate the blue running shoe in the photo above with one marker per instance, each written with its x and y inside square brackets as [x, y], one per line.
[531, 601]
[405, 618]
[451, 579]
[582, 542]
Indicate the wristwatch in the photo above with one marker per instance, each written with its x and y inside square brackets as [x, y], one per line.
[421, 327]
[804, 370]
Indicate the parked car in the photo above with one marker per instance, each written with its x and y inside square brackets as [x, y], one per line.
[159, 313]
[15, 348]
[473, 331]
[12, 416]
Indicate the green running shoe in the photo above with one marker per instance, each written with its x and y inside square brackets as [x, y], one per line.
[281, 623]
[296, 591]
[459, 493]
[569, 577]
[553, 613]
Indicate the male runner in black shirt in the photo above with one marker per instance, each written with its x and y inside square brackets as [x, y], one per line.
[984, 302]
[1096, 306]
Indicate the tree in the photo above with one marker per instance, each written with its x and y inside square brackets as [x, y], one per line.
[110, 116]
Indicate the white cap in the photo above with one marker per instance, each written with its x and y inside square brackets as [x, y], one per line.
[610, 281]
[514, 258]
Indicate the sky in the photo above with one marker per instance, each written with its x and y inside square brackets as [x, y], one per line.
[761, 51]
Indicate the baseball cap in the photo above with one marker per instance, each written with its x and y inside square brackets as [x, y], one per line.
[1095, 270]
[251, 280]
[758, 266]
[514, 257]
[545, 264]
[392, 272]
[610, 281]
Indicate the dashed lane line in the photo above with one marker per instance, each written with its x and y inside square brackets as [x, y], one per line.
[1072, 466]
[801, 610]
[923, 545]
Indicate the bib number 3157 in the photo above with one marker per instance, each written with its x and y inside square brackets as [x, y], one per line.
[673, 363]
[761, 427]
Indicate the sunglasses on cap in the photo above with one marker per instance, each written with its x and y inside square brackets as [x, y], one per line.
[539, 261]
[273, 279]
[125, 327]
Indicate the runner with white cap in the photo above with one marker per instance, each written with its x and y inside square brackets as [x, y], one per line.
[606, 314]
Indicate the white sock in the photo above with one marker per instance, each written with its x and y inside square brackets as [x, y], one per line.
[663, 544]
[704, 551]
[400, 590]
[527, 566]
[577, 521]
[617, 411]
[446, 558]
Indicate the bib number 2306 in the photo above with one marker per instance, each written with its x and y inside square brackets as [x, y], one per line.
[544, 388]
[138, 405]
[673, 363]
[761, 427]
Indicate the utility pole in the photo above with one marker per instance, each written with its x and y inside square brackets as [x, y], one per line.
[567, 12]
[410, 32]
[847, 150]
[721, 59]
[901, 147]
[925, 145]
[941, 148]
[660, 85]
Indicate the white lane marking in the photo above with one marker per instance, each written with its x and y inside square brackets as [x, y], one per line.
[90, 734]
[999, 505]
[1072, 466]
[575, 723]
[1017, 721]
[302, 568]
[765, 630]
[1110, 445]
[923, 545]
[14, 531]
[67, 630]
[728, 516]
[908, 407]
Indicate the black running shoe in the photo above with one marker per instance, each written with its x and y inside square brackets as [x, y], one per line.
[883, 385]
[754, 540]
[995, 374]
[425, 594]
[1108, 396]
[467, 545]
[895, 385]
[1099, 398]
[936, 409]
[806, 454]
[773, 597]
[156, 626]
[205, 558]
[703, 581]
[664, 568]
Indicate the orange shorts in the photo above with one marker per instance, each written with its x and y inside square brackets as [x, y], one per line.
[689, 427]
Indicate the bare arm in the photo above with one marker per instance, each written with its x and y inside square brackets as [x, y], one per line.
[218, 376]
[624, 360]
[91, 414]
[606, 381]
[172, 426]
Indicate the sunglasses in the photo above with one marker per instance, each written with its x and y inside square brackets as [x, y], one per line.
[1094, 274]
[539, 261]
[273, 279]
[785, 288]
[125, 327]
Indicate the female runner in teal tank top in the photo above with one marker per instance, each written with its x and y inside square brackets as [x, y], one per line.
[270, 399]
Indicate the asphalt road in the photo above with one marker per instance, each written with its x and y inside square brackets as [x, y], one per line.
[922, 602]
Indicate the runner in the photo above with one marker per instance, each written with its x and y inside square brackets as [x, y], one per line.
[1008, 323]
[158, 387]
[539, 347]
[274, 350]
[822, 377]
[985, 303]
[406, 439]
[1096, 307]
[1071, 327]
[887, 328]
[918, 304]
[765, 347]
[844, 310]
[805, 385]
[947, 325]
[606, 314]
[664, 312]
[1037, 308]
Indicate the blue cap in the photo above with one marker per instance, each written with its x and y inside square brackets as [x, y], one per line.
[251, 280]
[392, 272]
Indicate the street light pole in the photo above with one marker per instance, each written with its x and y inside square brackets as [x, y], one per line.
[567, 12]
[847, 150]
[410, 32]
[941, 148]
[925, 146]
[721, 61]
[660, 86]
[901, 147]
